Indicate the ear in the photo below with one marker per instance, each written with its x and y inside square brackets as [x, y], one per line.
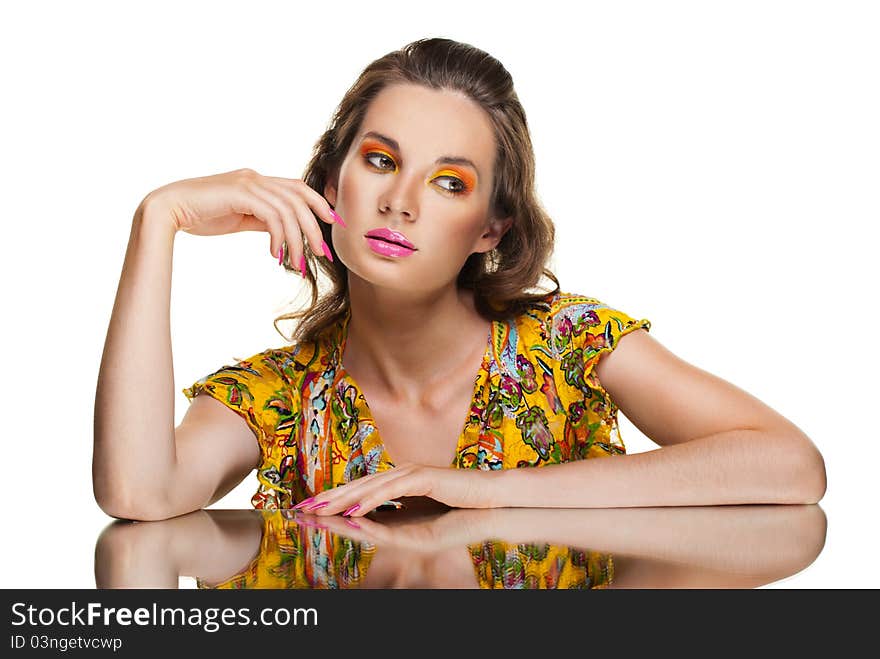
[330, 191]
[493, 234]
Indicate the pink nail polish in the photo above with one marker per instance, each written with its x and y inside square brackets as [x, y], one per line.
[326, 251]
[352, 509]
[317, 506]
[337, 219]
[352, 523]
[280, 254]
[302, 266]
[303, 503]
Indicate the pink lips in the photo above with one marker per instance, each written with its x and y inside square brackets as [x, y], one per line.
[389, 249]
[391, 236]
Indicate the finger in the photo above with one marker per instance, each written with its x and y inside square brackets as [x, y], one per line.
[340, 526]
[249, 204]
[284, 214]
[376, 532]
[342, 498]
[318, 204]
[308, 224]
[329, 496]
[405, 483]
[311, 521]
[372, 500]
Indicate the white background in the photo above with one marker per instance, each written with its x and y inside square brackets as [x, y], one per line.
[711, 166]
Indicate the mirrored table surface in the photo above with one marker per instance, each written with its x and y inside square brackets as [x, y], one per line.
[426, 545]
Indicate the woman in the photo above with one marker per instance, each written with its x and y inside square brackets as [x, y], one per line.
[431, 236]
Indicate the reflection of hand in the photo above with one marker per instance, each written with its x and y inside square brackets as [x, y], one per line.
[458, 488]
[453, 529]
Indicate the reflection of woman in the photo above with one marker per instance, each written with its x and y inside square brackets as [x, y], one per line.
[671, 547]
[429, 348]
[296, 555]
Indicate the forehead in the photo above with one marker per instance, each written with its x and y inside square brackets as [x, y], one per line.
[429, 123]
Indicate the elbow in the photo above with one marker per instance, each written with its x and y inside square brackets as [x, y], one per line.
[127, 501]
[814, 477]
[137, 508]
[808, 480]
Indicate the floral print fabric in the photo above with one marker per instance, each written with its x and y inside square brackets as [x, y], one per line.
[537, 401]
[294, 556]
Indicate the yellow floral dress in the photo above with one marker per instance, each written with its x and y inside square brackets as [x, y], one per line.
[294, 556]
[536, 401]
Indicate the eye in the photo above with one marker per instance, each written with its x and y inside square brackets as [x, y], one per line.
[381, 157]
[458, 185]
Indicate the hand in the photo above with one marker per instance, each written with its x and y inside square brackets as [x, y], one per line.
[243, 200]
[458, 488]
[452, 529]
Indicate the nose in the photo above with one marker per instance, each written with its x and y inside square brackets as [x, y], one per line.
[400, 197]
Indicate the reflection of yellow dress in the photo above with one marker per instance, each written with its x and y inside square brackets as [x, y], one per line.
[299, 557]
[295, 556]
[537, 401]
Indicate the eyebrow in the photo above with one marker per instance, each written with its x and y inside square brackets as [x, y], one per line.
[452, 160]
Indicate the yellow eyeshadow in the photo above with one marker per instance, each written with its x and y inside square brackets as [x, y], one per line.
[466, 177]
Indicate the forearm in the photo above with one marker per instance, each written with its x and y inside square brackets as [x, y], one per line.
[745, 539]
[134, 447]
[733, 467]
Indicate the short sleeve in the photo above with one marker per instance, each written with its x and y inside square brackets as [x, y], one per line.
[600, 329]
[584, 329]
[258, 390]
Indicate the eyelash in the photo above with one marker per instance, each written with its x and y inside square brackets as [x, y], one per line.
[463, 189]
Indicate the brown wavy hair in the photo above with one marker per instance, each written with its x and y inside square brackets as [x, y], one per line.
[499, 278]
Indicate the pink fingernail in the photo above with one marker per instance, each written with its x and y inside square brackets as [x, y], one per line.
[302, 266]
[352, 523]
[326, 251]
[337, 219]
[304, 502]
[280, 254]
[317, 506]
[351, 510]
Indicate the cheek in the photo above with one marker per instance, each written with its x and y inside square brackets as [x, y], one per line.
[469, 229]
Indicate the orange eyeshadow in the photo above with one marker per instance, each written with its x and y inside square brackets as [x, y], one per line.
[467, 177]
[469, 180]
[367, 147]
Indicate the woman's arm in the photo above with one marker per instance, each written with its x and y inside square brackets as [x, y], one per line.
[212, 545]
[134, 443]
[720, 445]
[669, 547]
[757, 541]
[143, 467]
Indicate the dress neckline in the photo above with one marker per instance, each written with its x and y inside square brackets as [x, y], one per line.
[339, 341]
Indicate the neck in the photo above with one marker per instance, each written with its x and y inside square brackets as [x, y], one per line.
[409, 345]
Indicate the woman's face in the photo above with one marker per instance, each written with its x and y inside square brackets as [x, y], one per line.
[420, 167]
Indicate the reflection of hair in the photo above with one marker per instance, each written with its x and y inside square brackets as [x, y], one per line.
[499, 278]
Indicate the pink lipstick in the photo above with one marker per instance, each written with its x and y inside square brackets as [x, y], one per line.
[388, 242]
